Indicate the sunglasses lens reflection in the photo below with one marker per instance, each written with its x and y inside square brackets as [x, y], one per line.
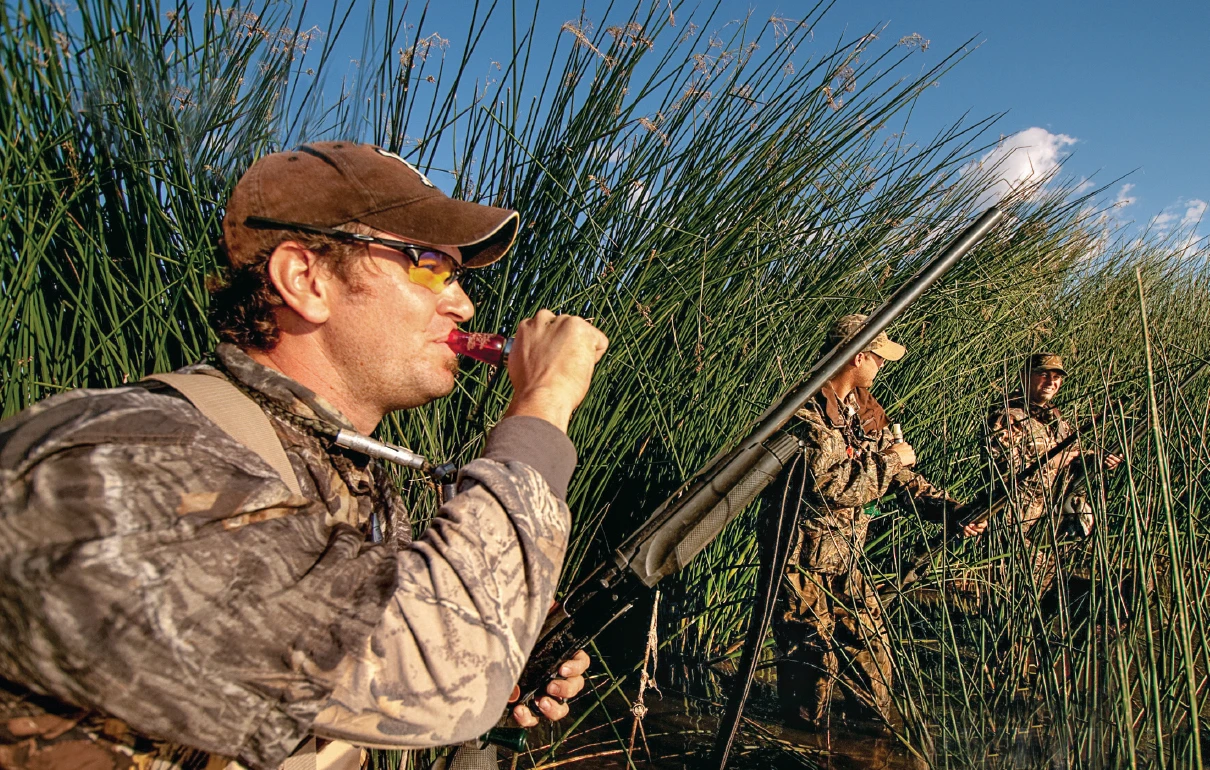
[433, 270]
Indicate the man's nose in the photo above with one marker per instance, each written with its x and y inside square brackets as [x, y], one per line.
[454, 303]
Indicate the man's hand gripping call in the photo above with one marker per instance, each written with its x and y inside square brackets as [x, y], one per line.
[551, 367]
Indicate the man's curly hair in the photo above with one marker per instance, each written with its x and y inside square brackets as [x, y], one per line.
[243, 299]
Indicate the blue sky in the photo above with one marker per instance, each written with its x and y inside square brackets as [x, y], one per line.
[1129, 82]
[1111, 88]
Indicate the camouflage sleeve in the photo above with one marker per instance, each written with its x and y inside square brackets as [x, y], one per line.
[929, 500]
[843, 477]
[1014, 439]
[154, 570]
[472, 595]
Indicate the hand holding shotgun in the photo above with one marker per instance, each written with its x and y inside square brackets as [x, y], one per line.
[689, 520]
[907, 455]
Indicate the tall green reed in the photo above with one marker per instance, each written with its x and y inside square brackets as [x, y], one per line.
[712, 194]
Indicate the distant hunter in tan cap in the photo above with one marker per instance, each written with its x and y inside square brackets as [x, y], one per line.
[838, 662]
[1022, 427]
[260, 586]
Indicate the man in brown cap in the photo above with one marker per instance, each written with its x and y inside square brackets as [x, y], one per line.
[215, 564]
[829, 621]
[1021, 429]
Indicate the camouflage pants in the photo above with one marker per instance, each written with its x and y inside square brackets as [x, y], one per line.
[1046, 574]
[1049, 546]
[836, 648]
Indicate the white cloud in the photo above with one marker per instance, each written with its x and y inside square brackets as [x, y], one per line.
[1189, 244]
[1124, 198]
[1162, 221]
[1182, 215]
[639, 194]
[1026, 159]
[1194, 213]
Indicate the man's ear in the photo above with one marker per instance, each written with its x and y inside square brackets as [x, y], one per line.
[302, 280]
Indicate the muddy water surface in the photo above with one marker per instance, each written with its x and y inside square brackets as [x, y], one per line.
[679, 733]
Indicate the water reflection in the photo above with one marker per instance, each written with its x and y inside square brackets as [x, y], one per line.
[678, 732]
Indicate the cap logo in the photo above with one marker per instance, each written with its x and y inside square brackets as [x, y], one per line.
[389, 154]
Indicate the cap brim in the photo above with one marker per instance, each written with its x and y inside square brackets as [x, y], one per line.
[891, 351]
[495, 245]
[1058, 369]
[483, 233]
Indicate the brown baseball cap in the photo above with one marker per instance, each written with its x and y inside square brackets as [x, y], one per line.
[1045, 362]
[848, 325]
[326, 184]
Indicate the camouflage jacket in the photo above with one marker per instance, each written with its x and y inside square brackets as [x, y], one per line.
[159, 582]
[848, 466]
[1017, 434]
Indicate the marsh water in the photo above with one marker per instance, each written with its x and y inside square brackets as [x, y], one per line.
[678, 731]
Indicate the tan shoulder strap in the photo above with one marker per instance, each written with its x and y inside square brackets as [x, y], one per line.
[335, 755]
[239, 416]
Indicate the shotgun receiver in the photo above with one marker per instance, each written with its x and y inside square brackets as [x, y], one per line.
[692, 517]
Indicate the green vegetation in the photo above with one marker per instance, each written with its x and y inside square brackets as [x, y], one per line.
[713, 194]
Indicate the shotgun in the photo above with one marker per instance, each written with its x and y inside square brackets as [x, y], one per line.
[692, 517]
